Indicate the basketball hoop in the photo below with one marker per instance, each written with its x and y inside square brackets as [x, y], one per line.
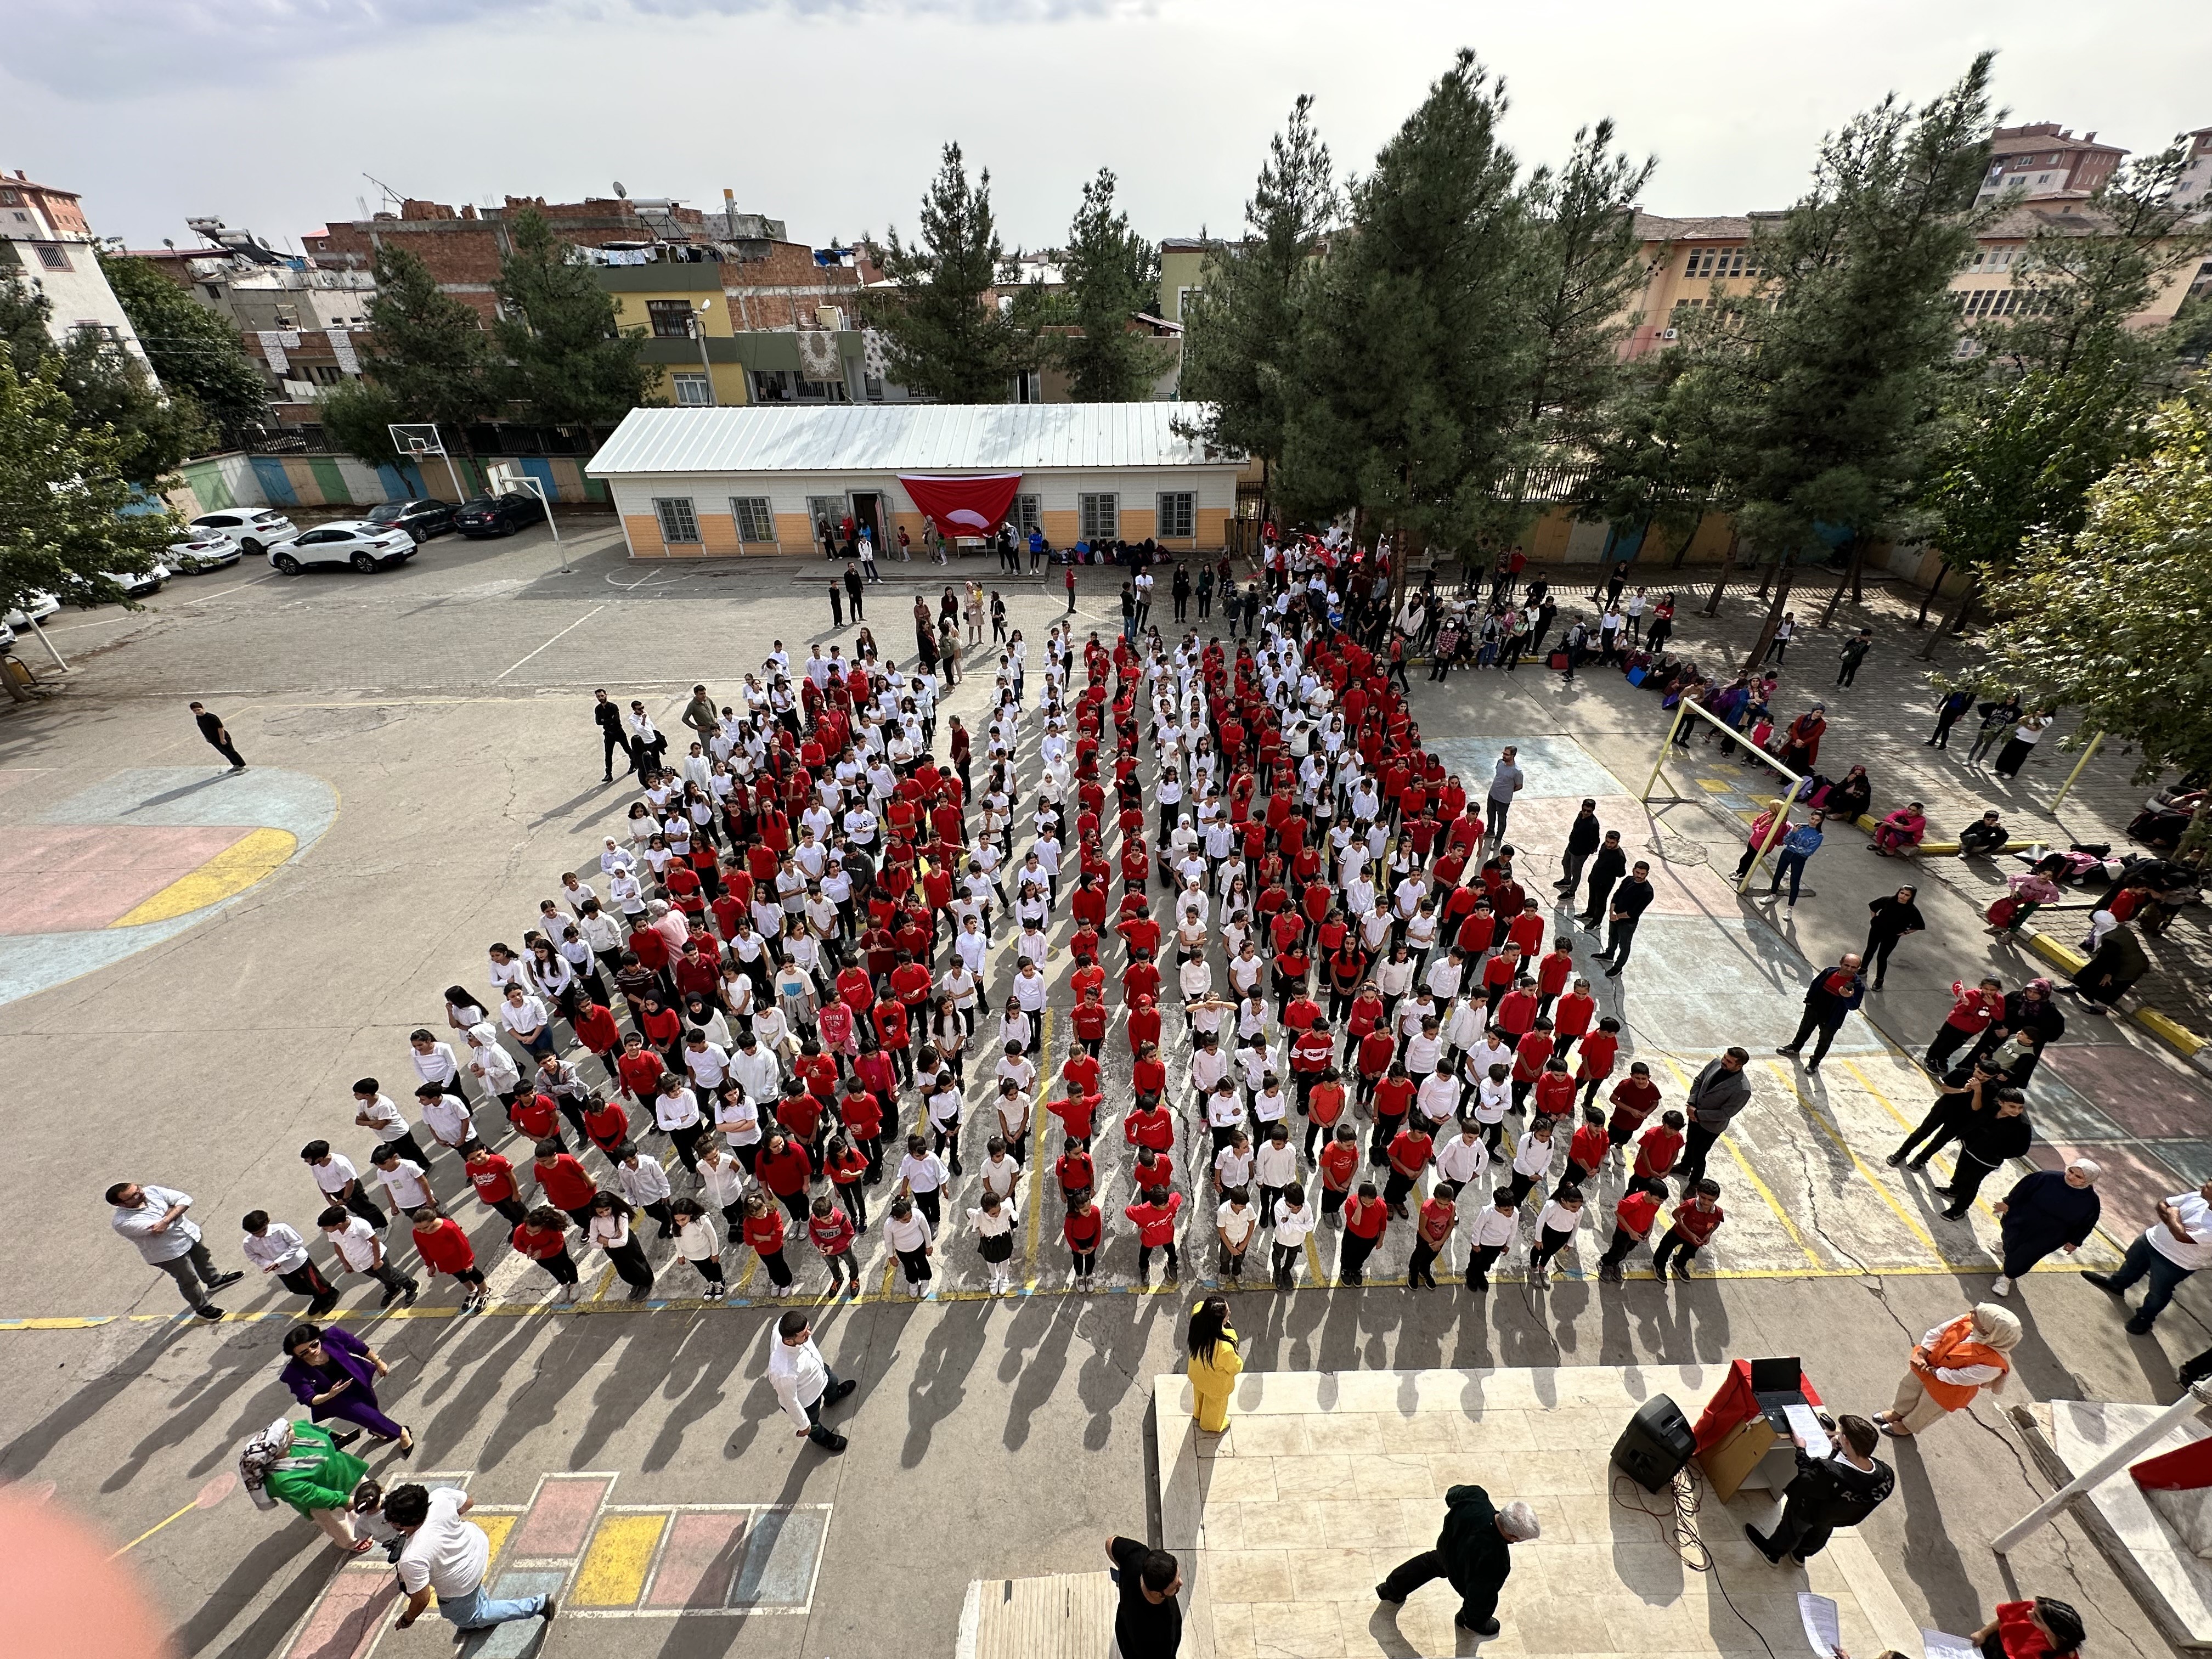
[418, 441]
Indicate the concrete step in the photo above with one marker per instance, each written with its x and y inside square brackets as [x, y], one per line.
[1068, 1615]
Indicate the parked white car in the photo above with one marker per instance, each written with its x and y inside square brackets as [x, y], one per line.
[255, 529]
[356, 542]
[43, 605]
[203, 550]
[145, 581]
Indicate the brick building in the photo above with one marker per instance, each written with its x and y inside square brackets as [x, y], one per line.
[2042, 162]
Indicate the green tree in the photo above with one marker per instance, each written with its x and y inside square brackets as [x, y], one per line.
[1112, 273]
[945, 336]
[1582, 276]
[1241, 332]
[1413, 358]
[357, 415]
[193, 350]
[426, 349]
[1655, 458]
[2067, 384]
[69, 513]
[1845, 345]
[2111, 617]
[566, 360]
[108, 387]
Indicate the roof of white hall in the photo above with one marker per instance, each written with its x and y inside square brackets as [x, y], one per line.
[903, 438]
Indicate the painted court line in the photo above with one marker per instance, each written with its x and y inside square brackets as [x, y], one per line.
[556, 640]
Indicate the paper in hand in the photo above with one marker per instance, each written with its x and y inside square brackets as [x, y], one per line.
[1822, 1630]
[1936, 1645]
[1805, 1426]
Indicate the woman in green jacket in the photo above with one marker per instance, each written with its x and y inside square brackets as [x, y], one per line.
[295, 1463]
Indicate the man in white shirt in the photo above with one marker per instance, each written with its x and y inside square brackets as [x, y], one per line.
[373, 1110]
[1463, 1160]
[445, 1556]
[1490, 1237]
[803, 1383]
[155, 1220]
[279, 1250]
[2169, 1252]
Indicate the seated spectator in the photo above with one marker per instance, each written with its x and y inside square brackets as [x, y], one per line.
[1984, 839]
[1900, 832]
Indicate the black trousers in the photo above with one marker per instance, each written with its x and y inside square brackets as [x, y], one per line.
[1696, 1145]
[1795, 1535]
[1618, 942]
[613, 741]
[814, 1430]
[1479, 1263]
[1810, 1026]
[228, 750]
[1934, 1129]
[1477, 1603]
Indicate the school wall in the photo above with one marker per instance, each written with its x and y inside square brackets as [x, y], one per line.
[788, 494]
[215, 481]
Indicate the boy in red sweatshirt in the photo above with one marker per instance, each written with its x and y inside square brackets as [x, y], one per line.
[1586, 1151]
[445, 1249]
[1364, 1218]
[1600, 1050]
[1554, 971]
[1149, 1126]
[1631, 1224]
[830, 1231]
[1634, 1098]
[1155, 1218]
[1692, 1229]
[1658, 1146]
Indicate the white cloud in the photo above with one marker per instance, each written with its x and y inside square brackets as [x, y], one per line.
[829, 114]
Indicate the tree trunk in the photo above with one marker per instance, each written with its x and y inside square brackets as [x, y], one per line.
[1785, 579]
[1956, 623]
[1682, 553]
[1929, 598]
[1728, 559]
[1766, 576]
[1858, 578]
[1849, 574]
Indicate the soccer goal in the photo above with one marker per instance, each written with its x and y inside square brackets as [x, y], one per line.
[418, 441]
[1684, 711]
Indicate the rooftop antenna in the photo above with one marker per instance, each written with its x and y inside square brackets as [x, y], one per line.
[390, 194]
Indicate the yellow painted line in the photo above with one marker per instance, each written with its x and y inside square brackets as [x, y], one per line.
[495, 1527]
[60, 1324]
[614, 1569]
[1750, 1174]
[234, 870]
[155, 1528]
[2170, 1031]
[606, 1278]
[2050, 950]
[1950, 1165]
[1912, 1222]
[1038, 1118]
[1716, 786]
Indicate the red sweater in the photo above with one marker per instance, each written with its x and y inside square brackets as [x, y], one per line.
[563, 1182]
[1656, 1149]
[1366, 1217]
[1155, 1222]
[764, 1232]
[446, 1247]
[785, 1172]
[1696, 1224]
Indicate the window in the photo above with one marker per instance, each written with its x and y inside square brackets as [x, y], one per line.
[1098, 518]
[1027, 513]
[1182, 301]
[692, 389]
[671, 318]
[8, 197]
[679, 523]
[825, 510]
[756, 520]
[52, 257]
[1178, 519]
[328, 373]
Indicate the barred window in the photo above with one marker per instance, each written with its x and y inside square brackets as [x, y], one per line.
[1098, 518]
[755, 521]
[679, 523]
[1178, 514]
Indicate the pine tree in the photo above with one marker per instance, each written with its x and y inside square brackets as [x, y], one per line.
[1241, 332]
[1655, 460]
[565, 359]
[1847, 344]
[68, 512]
[192, 349]
[1583, 273]
[426, 350]
[1413, 358]
[945, 337]
[1111, 274]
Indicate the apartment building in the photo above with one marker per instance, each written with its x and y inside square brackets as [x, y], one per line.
[2195, 189]
[2043, 162]
[46, 244]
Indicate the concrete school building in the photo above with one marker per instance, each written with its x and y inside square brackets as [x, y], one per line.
[691, 482]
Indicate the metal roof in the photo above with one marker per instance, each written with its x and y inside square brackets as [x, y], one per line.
[902, 438]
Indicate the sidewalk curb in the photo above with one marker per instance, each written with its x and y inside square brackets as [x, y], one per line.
[2178, 1037]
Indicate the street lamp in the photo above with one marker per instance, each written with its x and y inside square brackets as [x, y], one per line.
[699, 310]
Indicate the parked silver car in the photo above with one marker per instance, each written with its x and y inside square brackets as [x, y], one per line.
[203, 550]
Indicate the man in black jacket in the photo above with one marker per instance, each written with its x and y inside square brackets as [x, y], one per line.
[1473, 1552]
[1583, 837]
[1829, 1001]
[1986, 1139]
[1840, 1490]
[606, 714]
[1630, 901]
[853, 586]
[1610, 864]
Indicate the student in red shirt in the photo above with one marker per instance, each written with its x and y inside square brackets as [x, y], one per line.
[1554, 971]
[1658, 1146]
[562, 1182]
[1148, 1075]
[1497, 977]
[847, 1166]
[1364, 1219]
[1633, 1098]
[1324, 1106]
[1555, 1091]
[1376, 1050]
[1586, 1152]
[1571, 1020]
[1410, 1150]
[830, 1230]
[1432, 1230]
[1077, 1111]
[785, 1170]
[1600, 1049]
[1074, 1170]
[764, 1231]
[1081, 1229]
[1090, 1018]
[1692, 1229]
[606, 1123]
[1151, 1126]
[536, 1119]
[1392, 1098]
[596, 1029]
[1530, 1054]
[1155, 1218]
[1143, 1024]
[1632, 1223]
[493, 1177]
[542, 1235]
[445, 1249]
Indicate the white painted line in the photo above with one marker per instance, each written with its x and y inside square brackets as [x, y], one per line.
[570, 629]
[202, 598]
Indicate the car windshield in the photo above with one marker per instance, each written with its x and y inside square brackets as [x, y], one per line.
[480, 504]
[388, 512]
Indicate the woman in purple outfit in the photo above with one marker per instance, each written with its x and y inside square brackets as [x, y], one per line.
[333, 1373]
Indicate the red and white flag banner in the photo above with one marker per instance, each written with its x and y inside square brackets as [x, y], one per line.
[969, 504]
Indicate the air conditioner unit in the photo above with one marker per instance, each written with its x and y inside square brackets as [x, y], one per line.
[1670, 333]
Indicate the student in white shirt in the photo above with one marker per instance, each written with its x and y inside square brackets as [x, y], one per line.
[277, 1249]
[922, 1176]
[696, 1243]
[1490, 1236]
[1232, 1164]
[909, 1231]
[1555, 1230]
[992, 1222]
[1294, 1220]
[1234, 1224]
[373, 1111]
[1532, 1158]
[1275, 1168]
[359, 1250]
[1462, 1159]
[401, 1179]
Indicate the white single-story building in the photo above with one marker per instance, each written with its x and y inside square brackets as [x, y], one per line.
[692, 481]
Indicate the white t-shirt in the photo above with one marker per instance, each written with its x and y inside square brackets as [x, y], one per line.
[2196, 1221]
[447, 1553]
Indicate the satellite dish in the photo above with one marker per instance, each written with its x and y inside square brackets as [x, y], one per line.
[619, 190]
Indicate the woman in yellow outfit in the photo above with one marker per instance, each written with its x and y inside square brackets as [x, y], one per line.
[1213, 1364]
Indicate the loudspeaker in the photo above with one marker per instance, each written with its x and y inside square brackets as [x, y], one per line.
[1657, 1442]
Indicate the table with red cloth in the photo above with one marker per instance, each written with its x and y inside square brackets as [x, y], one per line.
[1734, 1403]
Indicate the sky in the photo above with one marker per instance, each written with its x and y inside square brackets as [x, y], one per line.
[829, 114]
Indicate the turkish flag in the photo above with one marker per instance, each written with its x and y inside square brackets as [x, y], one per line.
[972, 504]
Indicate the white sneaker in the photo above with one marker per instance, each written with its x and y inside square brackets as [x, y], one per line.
[2001, 1287]
[571, 1292]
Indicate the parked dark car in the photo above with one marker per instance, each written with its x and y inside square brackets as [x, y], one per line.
[498, 515]
[420, 518]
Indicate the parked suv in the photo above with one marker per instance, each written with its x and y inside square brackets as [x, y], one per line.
[420, 518]
[356, 542]
[499, 515]
[255, 529]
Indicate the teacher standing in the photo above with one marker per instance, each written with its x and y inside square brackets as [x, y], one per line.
[1214, 1364]
[2048, 1212]
[333, 1373]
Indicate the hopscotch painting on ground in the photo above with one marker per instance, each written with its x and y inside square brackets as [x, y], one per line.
[602, 1560]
